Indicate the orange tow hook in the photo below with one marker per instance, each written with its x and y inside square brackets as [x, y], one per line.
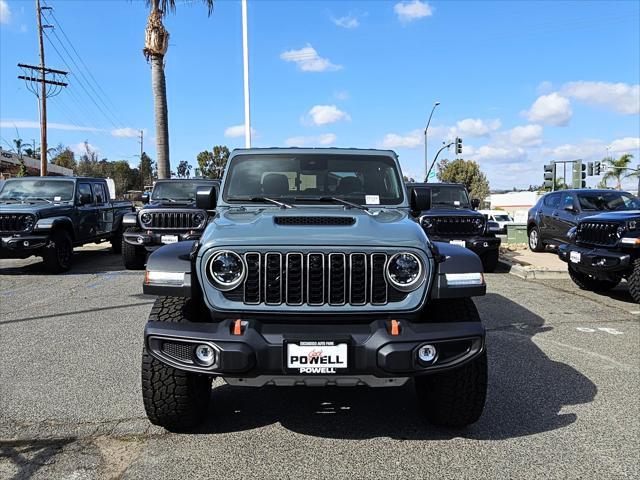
[394, 329]
[237, 327]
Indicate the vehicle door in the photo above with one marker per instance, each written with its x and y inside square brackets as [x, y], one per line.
[566, 216]
[546, 220]
[104, 211]
[86, 211]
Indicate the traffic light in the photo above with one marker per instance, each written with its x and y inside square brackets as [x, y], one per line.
[550, 176]
[596, 168]
[590, 169]
[458, 146]
[579, 177]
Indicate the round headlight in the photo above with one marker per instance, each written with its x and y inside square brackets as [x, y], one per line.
[226, 270]
[145, 217]
[27, 222]
[199, 219]
[405, 271]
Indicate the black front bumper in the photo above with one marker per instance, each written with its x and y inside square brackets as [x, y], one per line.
[595, 260]
[478, 245]
[152, 240]
[21, 246]
[259, 351]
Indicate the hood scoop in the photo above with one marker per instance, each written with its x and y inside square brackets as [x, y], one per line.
[314, 220]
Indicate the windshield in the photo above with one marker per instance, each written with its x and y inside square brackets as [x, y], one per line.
[52, 190]
[175, 190]
[363, 179]
[449, 196]
[502, 218]
[603, 201]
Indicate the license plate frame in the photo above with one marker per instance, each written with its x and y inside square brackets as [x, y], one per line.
[575, 257]
[168, 239]
[330, 349]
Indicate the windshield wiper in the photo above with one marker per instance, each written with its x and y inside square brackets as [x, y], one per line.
[39, 198]
[167, 199]
[343, 202]
[271, 200]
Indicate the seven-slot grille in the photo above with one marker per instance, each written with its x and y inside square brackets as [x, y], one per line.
[12, 222]
[173, 220]
[597, 233]
[454, 225]
[315, 279]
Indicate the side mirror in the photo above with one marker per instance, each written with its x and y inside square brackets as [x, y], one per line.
[144, 198]
[420, 199]
[207, 197]
[475, 203]
[569, 208]
[85, 199]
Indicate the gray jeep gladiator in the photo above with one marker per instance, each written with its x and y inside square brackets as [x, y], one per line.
[169, 215]
[314, 271]
[49, 216]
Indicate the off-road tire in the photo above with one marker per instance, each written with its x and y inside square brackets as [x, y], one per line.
[634, 281]
[116, 241]
[173, 399]
[537, 245]
[133, 257]
[57, 256]
[587, 282]
[454, 398]
[490, 261]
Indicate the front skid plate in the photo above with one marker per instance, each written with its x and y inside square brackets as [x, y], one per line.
[317, 381]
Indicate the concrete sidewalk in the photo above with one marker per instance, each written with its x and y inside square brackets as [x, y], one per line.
[531, 265]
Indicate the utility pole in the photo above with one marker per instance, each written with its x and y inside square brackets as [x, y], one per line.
[141, 142]
[426, 130]
[245, 58]
[34, 75]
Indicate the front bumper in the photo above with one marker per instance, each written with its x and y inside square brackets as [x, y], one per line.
[256, 357]
[595, 260]
[21, 246]
[152, 240]
[479, 245]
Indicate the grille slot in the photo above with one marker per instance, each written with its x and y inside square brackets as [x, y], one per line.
[273, 278]
[358, 283]
[172, 220]
[315, 279]
[295, 278]
[300, 220]
[378, 280]
[454, 225]
[597, 233]
[337, 279]
[12, 222]
[252, 282]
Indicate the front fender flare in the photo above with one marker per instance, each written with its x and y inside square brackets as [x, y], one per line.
[170, 271]
[47, 225]
[456, 260]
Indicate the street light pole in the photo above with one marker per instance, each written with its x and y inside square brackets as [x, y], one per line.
[245, 58]
[426, 157]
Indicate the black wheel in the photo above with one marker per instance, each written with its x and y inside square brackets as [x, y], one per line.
[535, 242]
[116, 241]
[587, 282]
[173, 399]
[58, 254]
[133, 256]
[490, 261]
[634, 281]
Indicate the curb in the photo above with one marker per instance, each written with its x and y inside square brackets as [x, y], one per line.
[533, 273]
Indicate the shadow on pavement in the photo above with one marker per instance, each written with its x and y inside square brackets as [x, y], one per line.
[527, 393]
[29, 456]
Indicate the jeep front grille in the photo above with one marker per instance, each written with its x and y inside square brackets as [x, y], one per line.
[315, 279]
[454, 225]
[173, 220]
[597, 233]
[13, 222]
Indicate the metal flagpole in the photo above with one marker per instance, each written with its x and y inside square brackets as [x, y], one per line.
[245, 55]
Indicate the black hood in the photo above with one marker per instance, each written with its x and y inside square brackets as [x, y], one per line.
[451, 212]
[621, 216]
[40, 209]
[156, 204]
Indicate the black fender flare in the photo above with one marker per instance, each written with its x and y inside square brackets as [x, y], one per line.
[456, 260]
[170, 271]
[49, 224]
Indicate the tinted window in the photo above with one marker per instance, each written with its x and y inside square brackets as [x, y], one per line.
[452, 196]
[52, 190]
[84, 189]
[601, 201]
[176, 190]
[552, 200]
[502, 218]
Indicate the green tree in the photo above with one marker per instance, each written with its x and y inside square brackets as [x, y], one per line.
[184, 169]
[22, 170]
[155, 47]
[617, 169]
[211, 164]
[467, 172]
[146, 170]
[88, 163]
[64, 157]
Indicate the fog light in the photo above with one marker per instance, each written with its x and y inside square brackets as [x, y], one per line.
[427, 353]
[140, 240]
[205, 355]
[25, 243]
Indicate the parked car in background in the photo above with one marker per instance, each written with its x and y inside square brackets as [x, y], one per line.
[501, 217]
[49, 216]
[606, 249]
[452, 218]
[550, 220]
[169, 215]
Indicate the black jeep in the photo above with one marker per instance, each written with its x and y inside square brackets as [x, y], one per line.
[169, 216]
[453, 218]
[606, 249]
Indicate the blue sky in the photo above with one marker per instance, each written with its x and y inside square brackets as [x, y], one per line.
[522, 82]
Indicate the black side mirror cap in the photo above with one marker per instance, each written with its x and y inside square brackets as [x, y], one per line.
[207, 197]
[420, 199]
[475, 203]
[85, 199]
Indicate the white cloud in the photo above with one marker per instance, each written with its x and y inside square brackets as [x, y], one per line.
[236, 131]
[527, 135]
[498, 153]
[552, 109]
[324, 139]
[308, 60]
[592, 149]
[325, 114]
[412, 10]
[50, 126]
[348, 21]
[127, 132]
[5, 13]
[475, 127]
[79, 149]
[625, 145]
[619, 97]
[413, 139]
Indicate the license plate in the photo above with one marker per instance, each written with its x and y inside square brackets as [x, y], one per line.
[169, 238]
[316, 357]
[574, 257]
[460, 243]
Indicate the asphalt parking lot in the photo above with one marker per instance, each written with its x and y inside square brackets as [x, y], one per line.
[563, 402]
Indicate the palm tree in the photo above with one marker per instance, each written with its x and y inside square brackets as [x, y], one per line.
[617, 169]
[155, 47]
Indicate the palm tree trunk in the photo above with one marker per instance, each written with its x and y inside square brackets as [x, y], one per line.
[161, 115]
